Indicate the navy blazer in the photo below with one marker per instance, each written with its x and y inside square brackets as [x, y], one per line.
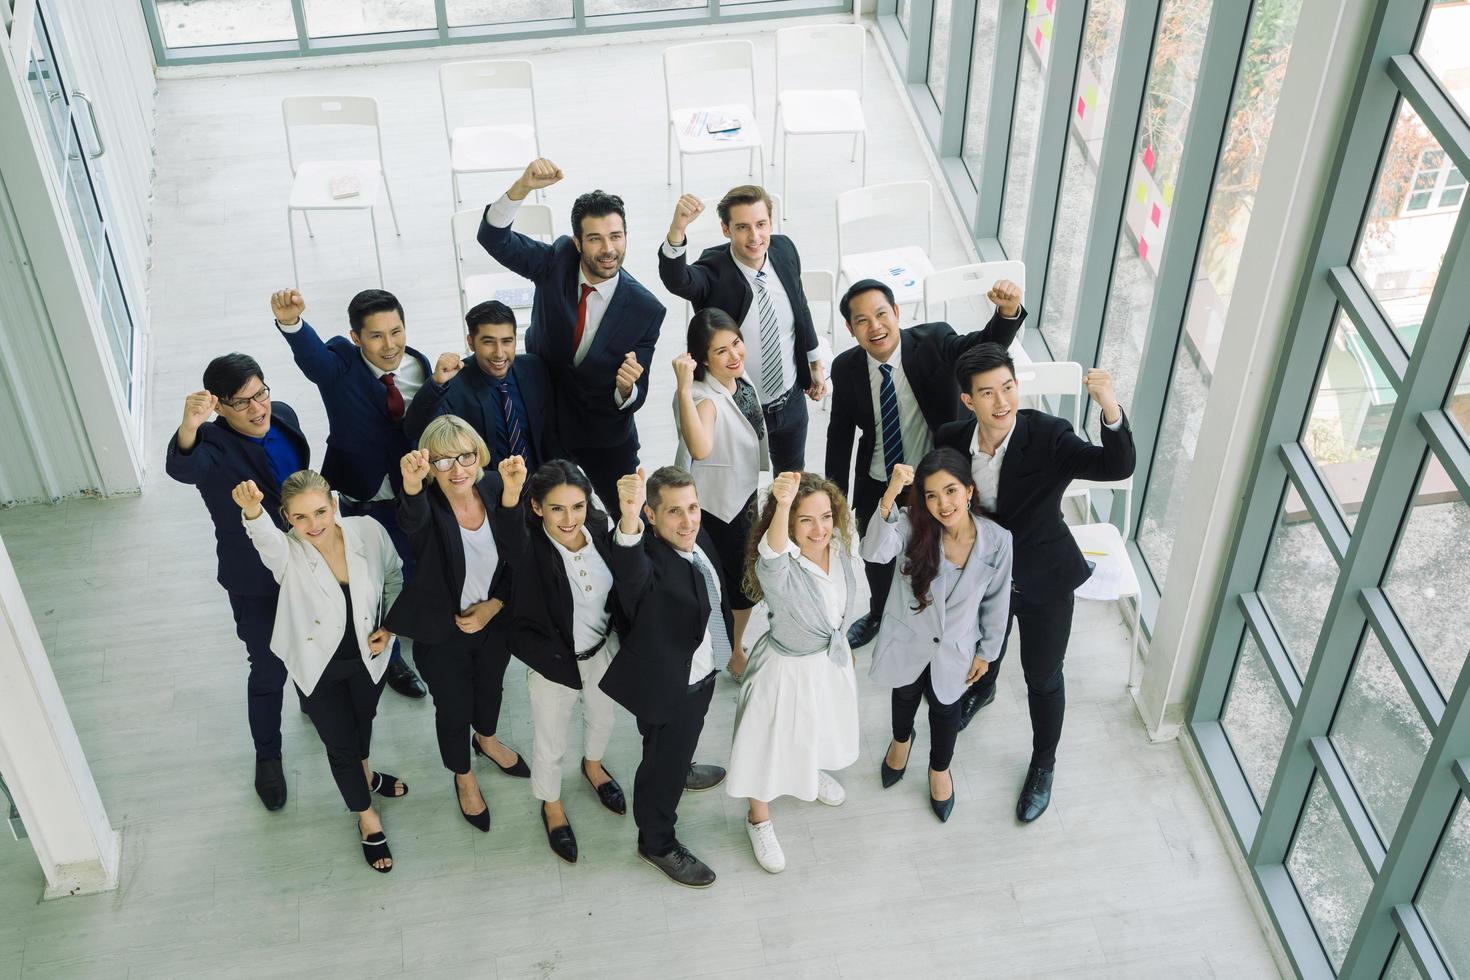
[363, 444]
[471, 395]
[220, 460]
[589, 416]
[715, 280]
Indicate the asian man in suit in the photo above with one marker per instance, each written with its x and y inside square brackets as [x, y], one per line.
[591, 321]
[251, 438]
[506, 396]
[894, 390]
[366, 379]
[757, 280]
[1022, 461]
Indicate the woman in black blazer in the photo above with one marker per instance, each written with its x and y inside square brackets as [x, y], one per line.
[450, 608]
[564, 625]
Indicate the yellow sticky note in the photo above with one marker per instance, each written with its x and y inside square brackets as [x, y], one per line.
[1168, 193]
[1140, 193]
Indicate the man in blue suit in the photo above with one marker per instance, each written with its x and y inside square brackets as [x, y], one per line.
[367, 380]
[505, 396]
[252, 438]
[593, 323]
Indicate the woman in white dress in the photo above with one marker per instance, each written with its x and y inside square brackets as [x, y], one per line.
[797, 710]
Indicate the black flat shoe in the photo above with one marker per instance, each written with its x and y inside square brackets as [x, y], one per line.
[701, 777]
[971, 702]
[1035, 795]
[517, 768]
[563, 842]
[389, 785]
[943, 808]
[270, 783]
[861, 633]
[480, 821]
[375, 848]
[890, 775]
[610, 793]
[403, 680]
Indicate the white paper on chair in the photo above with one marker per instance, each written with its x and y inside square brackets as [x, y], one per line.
[713, 126]
[345, 186]
[1106, 582]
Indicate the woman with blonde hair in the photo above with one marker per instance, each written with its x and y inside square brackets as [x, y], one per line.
[337, 576]
[796, 715]
[450, 607]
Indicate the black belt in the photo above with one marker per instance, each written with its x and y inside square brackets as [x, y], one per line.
[780, 403]
[593, 652]
[698, 686]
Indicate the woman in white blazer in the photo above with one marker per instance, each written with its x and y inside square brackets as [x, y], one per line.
[338, 577]
[722, 443]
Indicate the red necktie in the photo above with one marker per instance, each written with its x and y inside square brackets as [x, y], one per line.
[395, 398]
[581, 318]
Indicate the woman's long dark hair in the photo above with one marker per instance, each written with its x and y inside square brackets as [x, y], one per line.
[702, 329]
[921, 559]
[554, 473]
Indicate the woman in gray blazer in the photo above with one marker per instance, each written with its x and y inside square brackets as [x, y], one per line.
[946, 620]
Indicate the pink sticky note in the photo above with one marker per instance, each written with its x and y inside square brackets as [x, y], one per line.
[1081, 107]
[1051, 6]
[1148, 158]
[1038, 39]
[1143, 248]
[1156, 215]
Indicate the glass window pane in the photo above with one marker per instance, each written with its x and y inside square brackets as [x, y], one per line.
[329, 18]
[1297, 580]
[1256, 719]
[192, 23]
[905, 14]
[470, 13]
[1400, 253]
[1444, 901]
[1401, 966]
[1458, 404]
[1379, 736]
[1350, 412]
[939, 51]
[977, 103]
[1328, 873]
[1442, 49]
[1025, 129]
[1427, 581]
[1263, 69]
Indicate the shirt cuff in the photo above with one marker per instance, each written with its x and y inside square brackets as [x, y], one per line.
[1114, 426]
[503, 212]
[673, 251]
[293, 328]
[765, 550]
[620, 401]
[627, 540]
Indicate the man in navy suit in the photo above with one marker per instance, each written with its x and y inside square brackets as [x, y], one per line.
[366, 383]
[505, 396]
[252, 438]
[592, 322]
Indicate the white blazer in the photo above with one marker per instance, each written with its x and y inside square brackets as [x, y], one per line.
[730, 473]
[310, 615]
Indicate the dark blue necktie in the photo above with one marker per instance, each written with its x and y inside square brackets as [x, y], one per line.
[892, 429]
[515, 435]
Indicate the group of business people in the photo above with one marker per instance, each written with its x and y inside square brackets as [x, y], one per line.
[494, 506]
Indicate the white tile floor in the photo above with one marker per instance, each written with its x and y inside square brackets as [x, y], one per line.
[1125, 876]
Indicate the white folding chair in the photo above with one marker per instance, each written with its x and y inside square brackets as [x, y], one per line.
[481, 278]
[820, 286]
[903, 268]
[1058, 380]
[704, 232]
[690, 117]
[973, 282]
[819, 88]
[485, 138]
[312, 180]
[1113, 578]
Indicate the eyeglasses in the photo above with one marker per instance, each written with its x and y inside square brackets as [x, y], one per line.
[240, 404]
[446, 463]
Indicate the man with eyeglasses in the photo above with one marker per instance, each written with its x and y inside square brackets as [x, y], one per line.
[251, 438]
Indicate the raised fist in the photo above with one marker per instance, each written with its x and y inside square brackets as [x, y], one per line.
[512, 474]
[447, 367]
[415, 468]
[198, 407]
[1100, 387]
[901, 477]
[1006, 296]
[287, 307]
[632, 495]
[784, 487]
[688, 208]
[684, 370]
[540, 173]
[248, 497]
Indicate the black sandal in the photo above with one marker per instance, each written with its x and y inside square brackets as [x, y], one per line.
[384, 782]
[375, 848]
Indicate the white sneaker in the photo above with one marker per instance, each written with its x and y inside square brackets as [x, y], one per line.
[829, 790]
[767, 849]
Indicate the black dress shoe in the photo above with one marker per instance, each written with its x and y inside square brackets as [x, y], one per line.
[681, 867]
[971, 702]
[563, 842]
[701, 777]
[942, 808]
[861, 633]
[1035, 795]
[403, 680]
[517, 768]
[270, 783]
[610, 793]
[890, 775]
[480, 821]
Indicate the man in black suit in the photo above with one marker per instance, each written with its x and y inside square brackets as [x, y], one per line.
[757, 280]
[506, 396]
[252, 438]
[1022, 461]
[667, 579]
[592, 322]
[912, 367]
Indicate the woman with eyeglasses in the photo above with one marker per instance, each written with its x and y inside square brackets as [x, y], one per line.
[450, 607]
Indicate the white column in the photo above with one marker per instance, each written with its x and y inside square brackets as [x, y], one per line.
[42, 760]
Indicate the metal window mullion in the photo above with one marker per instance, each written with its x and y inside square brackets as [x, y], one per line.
[1437, 110]
[1292, 922]
[1312, 488]
[1350, 806]
[921, 25]
[1268, 641]
[1443, 436]
[1005, 76]
[579, 15]
[1416, 939]
[1370, 322]
[1416, 678]
[303, 35]
[957, 70]
[1461, 769]
[1223, 768]
[155, 30]
[441, 19]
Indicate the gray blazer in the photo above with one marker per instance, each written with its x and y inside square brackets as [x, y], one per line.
[943, 636]
[797, 614]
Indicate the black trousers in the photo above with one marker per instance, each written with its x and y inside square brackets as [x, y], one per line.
[786, 433]
[255, 618]
[866, 493]
[385, 512]
[465, 676]
[729, 540]
[342, 706]
[668, 749]
[944, 719]
[605, 465]
[1045, 627]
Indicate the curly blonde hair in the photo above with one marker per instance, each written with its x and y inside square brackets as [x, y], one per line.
[810, 483]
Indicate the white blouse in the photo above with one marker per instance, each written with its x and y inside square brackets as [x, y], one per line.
[480, 561]
[591, 581]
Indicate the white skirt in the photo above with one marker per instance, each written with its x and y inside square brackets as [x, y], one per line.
[795, 716]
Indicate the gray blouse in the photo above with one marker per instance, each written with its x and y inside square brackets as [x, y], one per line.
[797, 609]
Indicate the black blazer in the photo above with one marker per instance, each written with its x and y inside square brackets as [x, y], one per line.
[715, 280]
[1044, 455]
[589, 416]
[667, 606]
[426, 607]
[927, 354]
[541, 619]
[471, 395]
[220, 460]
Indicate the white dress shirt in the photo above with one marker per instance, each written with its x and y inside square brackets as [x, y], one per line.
[480, 561]
[985, 470]
[703, 662]
[917, 439]
[591, 581]
[832, 589]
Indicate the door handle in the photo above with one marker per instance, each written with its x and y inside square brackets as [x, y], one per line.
[92, 115]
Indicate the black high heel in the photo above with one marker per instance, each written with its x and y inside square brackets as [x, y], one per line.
[891, 775]
[518, 768]
[943, 808]
[480, 821]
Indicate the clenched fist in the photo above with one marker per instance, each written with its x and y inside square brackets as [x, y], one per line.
[1100, 387]
[287, 307]
[684, 371]
[1006, 296]
[540, 173]
[415, 468]
[628, 374]
[513, 477]
[248, 497]
[447, 367]
[784, 487]
[632, 495]
[198, 407]
[688, 208]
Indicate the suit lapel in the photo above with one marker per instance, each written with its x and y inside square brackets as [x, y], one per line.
[612, 318]
[1010, 465]
[747, 297]
[862, 389]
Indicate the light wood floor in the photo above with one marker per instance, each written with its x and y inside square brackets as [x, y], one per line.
[1125, 876]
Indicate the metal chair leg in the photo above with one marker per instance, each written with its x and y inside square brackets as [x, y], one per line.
[453, 187]
[377, 251]
[853, 158]
[291, 237]
[391, 209]
[306, 217]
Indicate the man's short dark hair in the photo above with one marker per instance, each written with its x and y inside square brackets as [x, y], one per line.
[744, 194]
[228, 373]
[666, 478]
[978, 360]
[486, 313]
[368, 302]
[844, 305]
[596, 204]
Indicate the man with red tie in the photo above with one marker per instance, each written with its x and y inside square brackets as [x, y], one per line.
[593, 324]
[366, 383]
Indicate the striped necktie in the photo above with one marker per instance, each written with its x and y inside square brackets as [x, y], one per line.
[718, 638]
[515, 437]
[892, 430]
[773, 371]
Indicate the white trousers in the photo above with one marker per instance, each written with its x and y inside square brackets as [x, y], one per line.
[551, 714]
